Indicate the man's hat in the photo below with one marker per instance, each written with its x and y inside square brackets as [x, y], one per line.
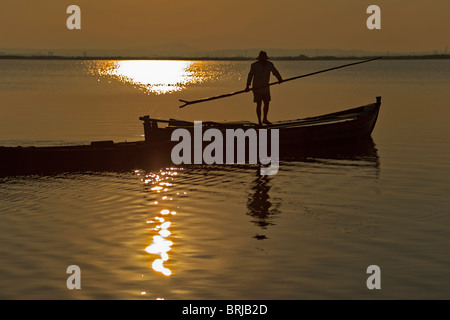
[262, 55]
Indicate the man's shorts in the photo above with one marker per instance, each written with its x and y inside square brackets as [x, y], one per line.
[258, 97]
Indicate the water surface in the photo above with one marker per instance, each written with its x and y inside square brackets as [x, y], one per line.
[225, 232]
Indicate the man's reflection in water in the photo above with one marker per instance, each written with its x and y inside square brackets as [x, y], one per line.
[259, 203]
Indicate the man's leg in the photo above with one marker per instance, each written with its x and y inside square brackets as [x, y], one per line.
[258, 111]
[266, 111]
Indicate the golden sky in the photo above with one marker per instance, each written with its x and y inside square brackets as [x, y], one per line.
[407, 25]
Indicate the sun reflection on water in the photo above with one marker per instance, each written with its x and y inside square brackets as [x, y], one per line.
[152, 76]
[161, 243]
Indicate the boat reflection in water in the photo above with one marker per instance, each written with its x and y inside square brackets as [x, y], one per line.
[260, 206]
[263, 208]
[263, 203]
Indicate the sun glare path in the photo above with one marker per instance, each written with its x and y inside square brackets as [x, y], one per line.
[152, 76]
[161, 243]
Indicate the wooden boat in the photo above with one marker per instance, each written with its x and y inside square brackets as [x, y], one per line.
[296, 137]
[343, 126]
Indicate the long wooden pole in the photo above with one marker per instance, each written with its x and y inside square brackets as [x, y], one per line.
[187, 103]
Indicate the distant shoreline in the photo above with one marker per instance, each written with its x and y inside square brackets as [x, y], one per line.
[296, 58]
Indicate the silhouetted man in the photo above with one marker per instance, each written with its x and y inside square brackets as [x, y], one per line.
[260, 74]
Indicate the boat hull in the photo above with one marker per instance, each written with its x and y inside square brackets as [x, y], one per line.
[324, 135]
[297, 138]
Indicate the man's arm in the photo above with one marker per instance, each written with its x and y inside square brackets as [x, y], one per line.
[276, 73]
[250, 78]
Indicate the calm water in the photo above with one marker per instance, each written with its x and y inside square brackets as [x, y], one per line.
[308, 232]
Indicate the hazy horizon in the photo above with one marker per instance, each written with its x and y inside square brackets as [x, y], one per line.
[230, 25]
[174, 50]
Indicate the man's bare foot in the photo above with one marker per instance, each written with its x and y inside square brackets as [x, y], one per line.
[267, 122]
